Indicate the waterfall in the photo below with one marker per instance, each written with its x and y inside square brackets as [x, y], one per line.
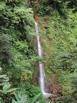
[41, 65]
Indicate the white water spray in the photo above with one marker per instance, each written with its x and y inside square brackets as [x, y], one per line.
[41, 65]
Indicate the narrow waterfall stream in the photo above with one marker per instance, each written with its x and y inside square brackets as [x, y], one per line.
[41, 65]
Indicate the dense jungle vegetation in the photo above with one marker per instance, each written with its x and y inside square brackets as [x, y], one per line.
[18, 57]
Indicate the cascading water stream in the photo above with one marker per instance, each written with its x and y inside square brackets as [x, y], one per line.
[41, 65]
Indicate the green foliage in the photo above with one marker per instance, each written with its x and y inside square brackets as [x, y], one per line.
[47, 7]
[62, 34]
[60, 45]
[6, 91]
[20, 97]
[17, 55]
[16, 33]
